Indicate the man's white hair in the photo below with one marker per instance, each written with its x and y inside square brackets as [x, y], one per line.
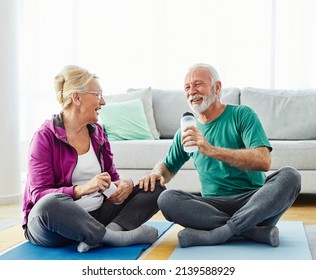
[213, 72]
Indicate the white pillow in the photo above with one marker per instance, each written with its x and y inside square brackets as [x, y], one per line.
[146, 96]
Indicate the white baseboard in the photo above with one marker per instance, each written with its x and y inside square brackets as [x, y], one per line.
[13, 199]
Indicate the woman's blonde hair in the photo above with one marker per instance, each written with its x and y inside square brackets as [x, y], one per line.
[71, 79]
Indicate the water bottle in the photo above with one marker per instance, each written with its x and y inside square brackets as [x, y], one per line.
[188, 119]
[111, 189]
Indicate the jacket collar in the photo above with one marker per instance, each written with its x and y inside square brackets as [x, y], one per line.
[58, 128]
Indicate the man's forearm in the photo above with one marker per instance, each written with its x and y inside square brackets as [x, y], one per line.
[247, 159]
[162, 170]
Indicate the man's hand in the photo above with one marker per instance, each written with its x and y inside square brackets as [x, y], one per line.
[192, 136]
[148, 182]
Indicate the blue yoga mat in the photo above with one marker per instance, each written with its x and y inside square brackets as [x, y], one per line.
[293, 246]
[27, 251]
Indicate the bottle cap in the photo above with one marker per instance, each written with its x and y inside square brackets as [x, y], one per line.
[187, 114]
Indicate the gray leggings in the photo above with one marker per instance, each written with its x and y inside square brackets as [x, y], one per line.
[241, 212]
[56, 220]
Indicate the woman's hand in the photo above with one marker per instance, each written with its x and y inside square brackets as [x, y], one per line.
[124, 188]
[98, 183]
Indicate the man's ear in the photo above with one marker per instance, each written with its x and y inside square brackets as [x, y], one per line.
[218, 87]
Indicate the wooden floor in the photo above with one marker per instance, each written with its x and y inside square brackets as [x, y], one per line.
[304, 209]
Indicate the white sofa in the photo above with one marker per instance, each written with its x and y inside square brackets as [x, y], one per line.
[288, 116]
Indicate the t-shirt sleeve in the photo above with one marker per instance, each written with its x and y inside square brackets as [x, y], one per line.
[176, 156]
[251, 129]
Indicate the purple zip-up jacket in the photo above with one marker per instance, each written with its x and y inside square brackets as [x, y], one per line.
[52, 161]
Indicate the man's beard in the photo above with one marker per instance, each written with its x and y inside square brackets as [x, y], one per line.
[206, 102]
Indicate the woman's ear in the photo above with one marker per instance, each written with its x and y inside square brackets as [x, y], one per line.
[76, 98]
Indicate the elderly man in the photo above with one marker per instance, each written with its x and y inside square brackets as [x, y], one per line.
[237, 199]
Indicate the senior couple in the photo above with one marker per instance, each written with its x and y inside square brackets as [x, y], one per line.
[70, 165]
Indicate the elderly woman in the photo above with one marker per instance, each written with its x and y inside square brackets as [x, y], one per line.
[70, 166]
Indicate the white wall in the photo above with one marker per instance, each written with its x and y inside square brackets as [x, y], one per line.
[10, 183]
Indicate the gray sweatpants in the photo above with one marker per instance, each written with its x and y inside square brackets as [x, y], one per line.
[241, 212]
[56, 220]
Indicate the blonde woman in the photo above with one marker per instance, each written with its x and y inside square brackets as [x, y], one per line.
[70, 165]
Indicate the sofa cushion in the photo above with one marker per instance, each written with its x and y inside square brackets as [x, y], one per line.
[141, 154]
[146, 96]
[299, 154]
[125, 121]
[231, 96]
[168, 106]
[285, 114]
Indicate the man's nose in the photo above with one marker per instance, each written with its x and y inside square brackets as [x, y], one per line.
[192, 90]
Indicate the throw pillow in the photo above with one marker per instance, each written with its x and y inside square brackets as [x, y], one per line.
[125, 121]
[146, 97]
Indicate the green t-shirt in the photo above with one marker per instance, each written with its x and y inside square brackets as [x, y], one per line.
[238, 127]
